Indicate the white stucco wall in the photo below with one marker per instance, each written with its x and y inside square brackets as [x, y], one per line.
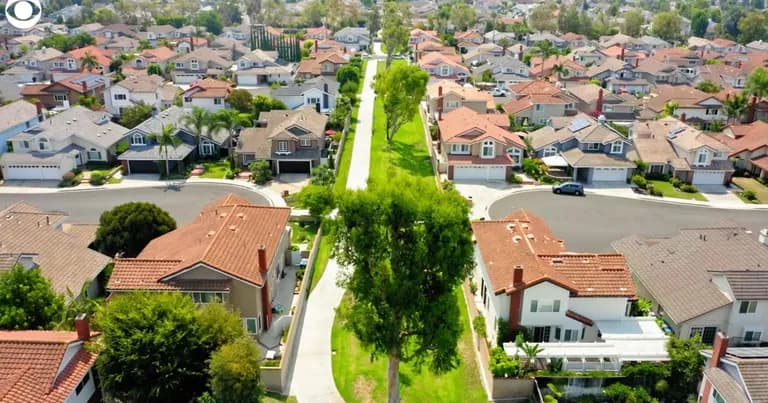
[738, 323]
[601, 308]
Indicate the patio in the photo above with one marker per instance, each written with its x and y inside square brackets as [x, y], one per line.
[282, 307]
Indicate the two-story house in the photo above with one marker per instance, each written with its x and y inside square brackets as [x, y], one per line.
[589, 149]
[112, 31]
[68, 91]
[321, 64]
[35, 66]
[445, 96]
[704, 280]
[17, 117]
[418, 35]
[749, 146]
[546, 68]
[593, 100]
[504, 69]
[692, 105]
[660, 73]
[121, 44]
[239, 32]
[62, 143]
[318, 93]
[261, 67]
[292, 141]
[155, 33]
[20, 44]
[587, 56]
[727, 77]
[625, 80]
[318, 33]
[441, 66]
[649, 43]
[672, 147]
[103, 58]
[233, 252]
[199, 64]
[536, 102]
[474, 147]
[132, 91]
[574, 305]
[159, 56]
[354, 39]
[734, 374]
[209, 93]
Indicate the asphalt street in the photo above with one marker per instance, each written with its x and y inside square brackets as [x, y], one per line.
[182, 202]
[591, 223]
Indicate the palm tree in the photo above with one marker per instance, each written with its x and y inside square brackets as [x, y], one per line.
[198, 121]
[530, 351]
[669, 109]
[230, 120]
[559, 70]
[166, 138]
[529, 147]
[89, 62]
[735, 107]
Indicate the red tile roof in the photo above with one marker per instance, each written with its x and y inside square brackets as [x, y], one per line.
[761, 162]
[463, 125]
[158, 54]
[748, 137]
[103, 56]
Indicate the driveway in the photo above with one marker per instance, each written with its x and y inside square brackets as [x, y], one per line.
[182, 202]
[591, 223]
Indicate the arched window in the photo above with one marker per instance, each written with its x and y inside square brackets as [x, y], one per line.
[42, 144]
[702, 156]
[94, 155]
[487, 149]
[137, 139]
[515, 153]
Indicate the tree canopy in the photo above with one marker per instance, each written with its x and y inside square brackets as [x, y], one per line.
[129, 227]
[463, 16]
[234, 372]
[134, 115]
[241, 99]
[263, 103]
[211, 20]
[401, 89]
[633, 23]
[395, 28]
[27, 300]
[667, 25]
[757, 83]
[65, 43]
[753, 27]
[403, 284]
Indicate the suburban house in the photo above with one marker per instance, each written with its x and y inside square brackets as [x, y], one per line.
[545, 67]
[209, 93]
[160, 56]
[445, 96]
[704, 280]
[48, 365]
[115, 31]
[17, 117]
[605, 69]
[626, 81]
[233, 252]
[479, 53]
[121, 44]
[692, 105]
[43, 240]
[132, 91]
[587, 56]
[649, 43]
[420, 36]
[292, 141]
[235, 47]
[573, 40]
[144, 154]
[35, 66]
[68, 91]
[261, 67]
[422, 48]
[103, 57]
[199, 64]
[749, 146]
[504, 69]
[660, 73]
[63, 142]
[440, 66]
[90, 28]
[535, 102]
[474, 147]
[354, 39]
[734, 374]
[318, 93]
[575, 306]
[593, 100]
[18, 44]
[669, 146]
[186, 44]
[318, 33]
[239, 32]
[727, 77]
[321, 64]
[587, 148]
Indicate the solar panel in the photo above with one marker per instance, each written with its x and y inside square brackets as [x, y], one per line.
[748, 352]
[578, 124]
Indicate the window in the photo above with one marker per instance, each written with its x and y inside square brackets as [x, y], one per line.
[137, 139]
[571, 335]
[83, 382]
[59, 97]
[549, 152]
[515, 153]
[445, 71]
[718, 155]
[617, 147]
[207, 297]
[711, 111]
[701, 157]
[707, 334]
[593, 146]
[607, 108]
[217, 101]
[194, 65]
[282, 146]
[187, 100]
[25, 144]
[459, 149]
[305, 143]
[716, 397]
[42, 144]
[94, 154]
[252, 325]
[538, 107]
[313, 100]
[179, 65]
[568, 106]
[207, 148]
[545, 305]
[487, 149]
[120, 97]
[748, 307]
[752, 335]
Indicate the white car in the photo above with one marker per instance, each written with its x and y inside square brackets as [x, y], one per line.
[499, 92]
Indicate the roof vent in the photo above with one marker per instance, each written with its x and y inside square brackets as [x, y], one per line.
[222, 215]
[69, 122]
[240, 215]
[232, 227]
[517, 238]
[531, 236]
[211, 233]
[74, 119]
[525, 226]
[511, 226]
[557, 260]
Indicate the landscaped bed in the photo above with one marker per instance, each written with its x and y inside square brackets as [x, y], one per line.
[668, 190]
[750, 184]
[215, 169]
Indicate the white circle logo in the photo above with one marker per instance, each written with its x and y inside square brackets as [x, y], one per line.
[23, 14]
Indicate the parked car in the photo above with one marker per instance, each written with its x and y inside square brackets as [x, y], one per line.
[573, 188]
[499, 92]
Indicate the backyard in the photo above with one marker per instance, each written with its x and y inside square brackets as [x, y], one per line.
[668, 190]
[760, 190]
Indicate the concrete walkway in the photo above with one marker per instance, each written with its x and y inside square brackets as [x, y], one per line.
[312, 379]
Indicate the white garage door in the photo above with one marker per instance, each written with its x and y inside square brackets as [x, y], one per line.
[708, 177]
[609, 174]
[479, 172]
[33, 172]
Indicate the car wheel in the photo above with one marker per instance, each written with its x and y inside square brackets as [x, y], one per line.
[578, 193]
[557, 191]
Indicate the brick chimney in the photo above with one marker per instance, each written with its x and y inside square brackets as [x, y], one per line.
[622, 54]
[316, 45]
[191, 43]
[416, 52]
[82, 327]
[263, 268]
[599, 106]
[84, 85]
[39, 106]
[440, 102]
[517, 275]
[719, 348]
[516, 298]
[682, 117]
[752, 109]
[266, 304]
[637, 62]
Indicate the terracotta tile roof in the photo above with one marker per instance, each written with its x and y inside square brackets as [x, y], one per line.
[33, 89]
[313, 65]
[158, 54]
[748, 137]
[467, 93]
[103, 56]
[437, 58]
[760, 162]
[225, 236]
[524, 240]
[463, 125]
[685, 96]
[31, 360]
[538, 87]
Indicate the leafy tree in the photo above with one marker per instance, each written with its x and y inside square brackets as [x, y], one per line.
[241, 99]
[463, 16]
[731, 14]
[373, 22]
[165, 343]
[129, 227]
[211, 20]
[65, 43]
[708, 86]
[542, 18]
[116, 66]
[620, 393]
[401, 89]
[134, 115]
[197, 120]
[667, 25]
[340, 112]
[318, 199]
[735, 107]
[105, 16]
[404, 305]
[753, 27]
[230, 120]
[313, 13]
[261, 173]
[27, 300]
[685, 365]
[670, 108]
[568, 20]
[229, 11]
[234, 372]
[699, 22]
[757, 83]
[633, 23]
[322, 175]
[273, 12]
[166, 139]
[395, 28]
[90, 102]
[349, 89]
[263, 103]
[177, 21]
[347, 74]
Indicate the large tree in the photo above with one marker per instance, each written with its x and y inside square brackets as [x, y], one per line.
[633, 23]
[263, 103]
[757, 83]
[154, 346]
[667, 25]
[543, 18]
[166, 139]
[394, 234]
[211, 20]
[27, 300]
[395, 28]
[373, 22]
[134, 115]
[241, 99]
[401, 88]
[699, 22]
[735, 107]
[685, 365]
[234, 372]
[230, 120]
[129, 227]
[753, 27]
[198, 120]
[463, 16]
[314, 13]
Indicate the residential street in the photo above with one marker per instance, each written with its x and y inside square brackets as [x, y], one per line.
[312, 373]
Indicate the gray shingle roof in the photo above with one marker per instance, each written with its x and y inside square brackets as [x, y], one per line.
[16, 113]
[300, 88]
[77, 121]
[728, 388]
[174, 116]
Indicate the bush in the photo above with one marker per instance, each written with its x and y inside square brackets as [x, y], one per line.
[503, 334]
[688, 188]
[655, 176]
[473, 287]
[656, 192]
[318, 199]
[504, 366]
[229, 174]
[642, 166]
[68, 177]
[535, 168]
[97, 179]
[515, 179]
[749, 195]
[260, 172]
[479, 325]
[676, 182]
[640, 181]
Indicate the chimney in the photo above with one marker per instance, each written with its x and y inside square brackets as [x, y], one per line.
[39, 106]
[727, 96]
[48, 220]
[622, 54]
[752, 109]
[637, 62]
[316, 46]
[440, 102]
[599, 106]
[517, 276]
[763, 237]
[719, 348]
[85, 86]
[682, 117]
[263, 259]
[82, 327]
[192, 43]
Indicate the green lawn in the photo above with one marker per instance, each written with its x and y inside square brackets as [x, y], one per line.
[360, 380]
[303, 232]
[215, 169]
[668, 190]
[272, 397]
[761, 191]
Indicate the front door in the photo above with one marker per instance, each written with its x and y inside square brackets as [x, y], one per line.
[541, 334]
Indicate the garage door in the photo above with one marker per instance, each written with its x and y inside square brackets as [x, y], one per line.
[294, 167]
[479, 172]
[145, 167]
[609, 174]
[708, 177]
[33, 172]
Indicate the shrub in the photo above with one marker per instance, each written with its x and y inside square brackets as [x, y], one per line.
[515, 179]
[535, 168]
[655, 176]
[504, 366]
[260, 172]
[229, 174]
[68, 177]
[656, 192]
[503, 334]
[642, 166]
[318, 199]
[688, 188]
[97, 179]
[640, 181]
[479, 325]
[676, 182]
[749, 195]
[473, 287]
